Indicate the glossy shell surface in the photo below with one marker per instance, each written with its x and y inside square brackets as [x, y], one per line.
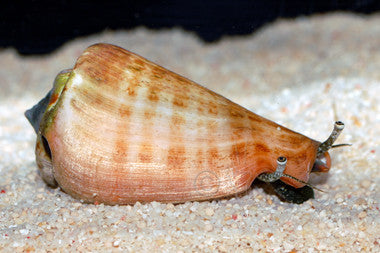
[122, 129]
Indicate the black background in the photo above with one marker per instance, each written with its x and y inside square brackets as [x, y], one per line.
[39, 27]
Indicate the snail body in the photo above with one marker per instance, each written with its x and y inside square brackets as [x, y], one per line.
[118, 128]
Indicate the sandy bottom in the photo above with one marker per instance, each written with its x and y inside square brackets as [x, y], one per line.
[302, 73]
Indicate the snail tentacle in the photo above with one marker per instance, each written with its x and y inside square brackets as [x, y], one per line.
[341, 145]
[274, 176]
[306, 183]
[327, 144]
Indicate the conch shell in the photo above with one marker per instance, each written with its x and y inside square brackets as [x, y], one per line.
[118, 128]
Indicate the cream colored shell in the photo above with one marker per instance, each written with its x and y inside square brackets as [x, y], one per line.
[125, 129]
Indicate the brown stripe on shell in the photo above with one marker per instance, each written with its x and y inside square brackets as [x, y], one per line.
[176, 158]
[112, 68]
[125, 111]
[148, 152]
[180, 101]
[157, 74]
[212, 108]
[177, 146]
[150, 114]
[241, 147]
[179, 152]
[261, 148]
[153, 94]
[105, 66]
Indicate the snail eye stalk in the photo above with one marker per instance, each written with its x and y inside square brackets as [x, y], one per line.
[327, 144]
[274, 176]
[271, 177]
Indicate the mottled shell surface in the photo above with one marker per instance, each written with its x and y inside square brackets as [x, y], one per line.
[123, 129]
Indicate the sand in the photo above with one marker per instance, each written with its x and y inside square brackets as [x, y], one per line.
[303, 73]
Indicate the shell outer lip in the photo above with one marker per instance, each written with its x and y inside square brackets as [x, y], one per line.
[40, 117]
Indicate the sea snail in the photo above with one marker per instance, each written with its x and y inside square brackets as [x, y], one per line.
[118, 128]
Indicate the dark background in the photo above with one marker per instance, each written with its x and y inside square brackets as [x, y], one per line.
[39, 27]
